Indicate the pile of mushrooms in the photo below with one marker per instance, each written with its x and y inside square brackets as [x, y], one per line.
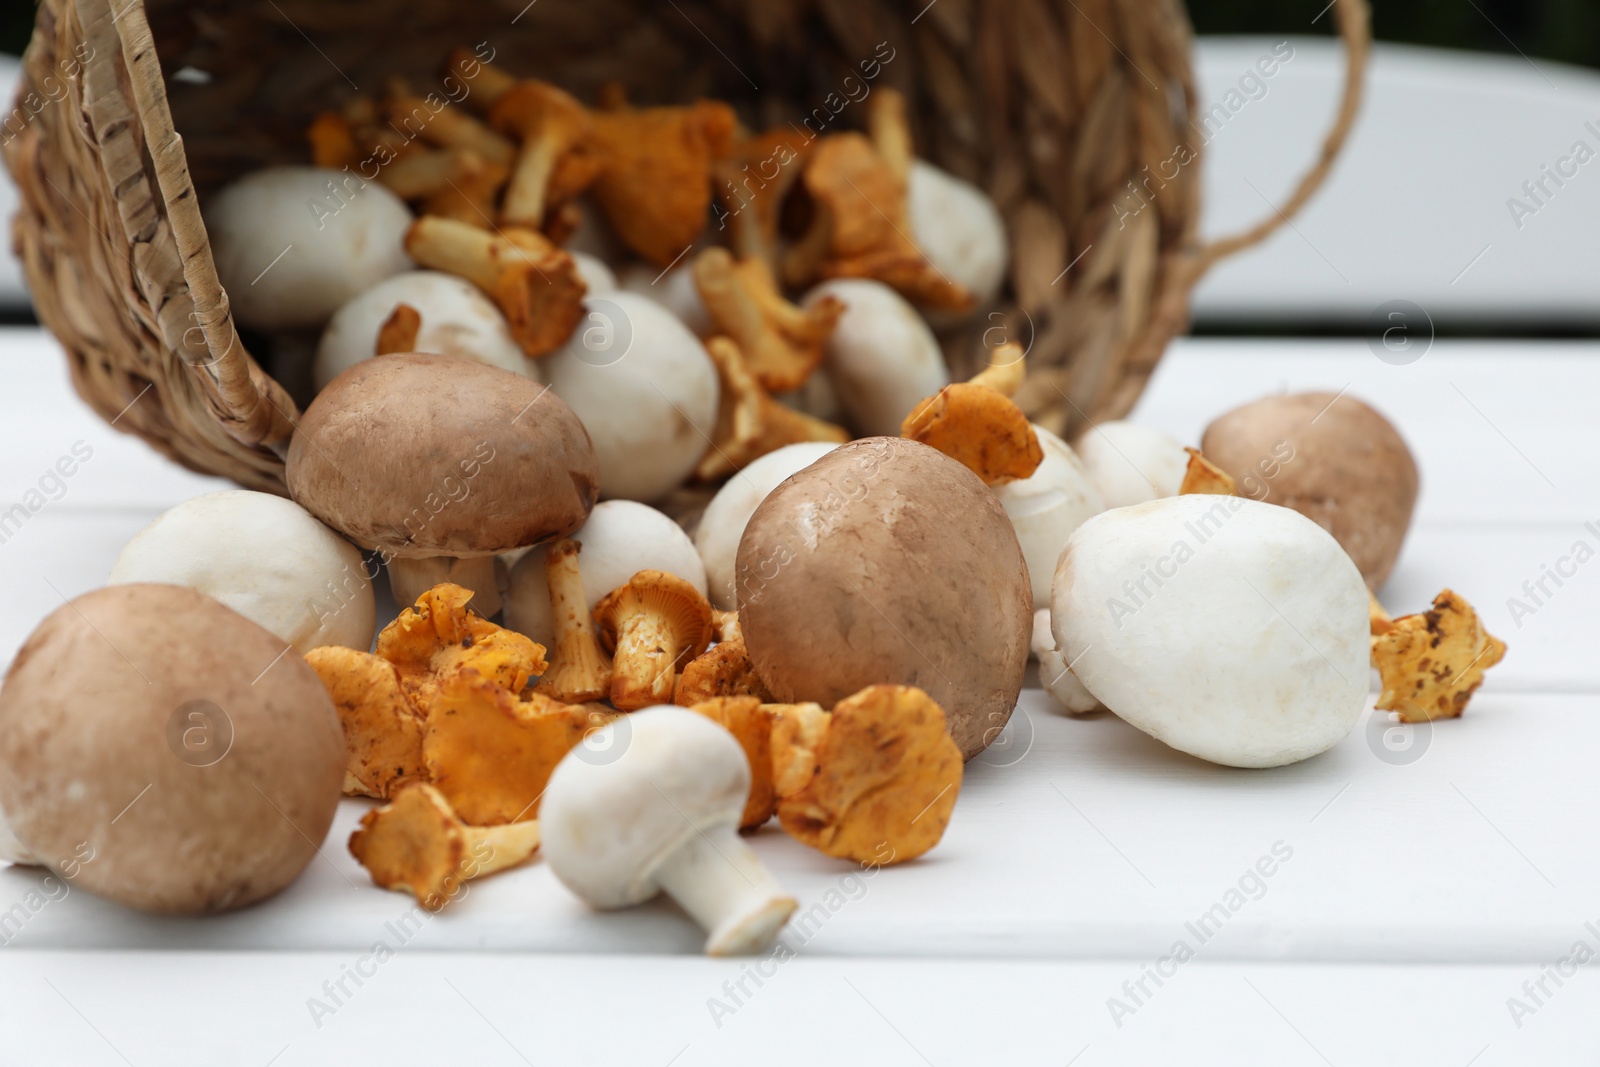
[811, 591]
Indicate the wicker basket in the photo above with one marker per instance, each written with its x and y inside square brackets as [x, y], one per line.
[1056, 107]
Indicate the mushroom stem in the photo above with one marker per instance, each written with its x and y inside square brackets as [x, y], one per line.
[1005, 372]
[579, 671]
[399, 331]
[722, 884]
[12, 850]
[646, 659]
[449, 127]
[410, 578]
[489, 82]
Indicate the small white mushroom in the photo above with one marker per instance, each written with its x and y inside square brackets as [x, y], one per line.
[724, 519]
[265, 557]
[882, 358]
[645, 390]
[959, 230]
[1230, 629]
[1054, 674]
[1046, 507]
[457, 320]
[292, 244]
[595, 273]
[620, 539]
[674, 290]
[1130, 463]
[662, 816]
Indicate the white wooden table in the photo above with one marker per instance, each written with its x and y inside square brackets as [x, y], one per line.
[1431, 872]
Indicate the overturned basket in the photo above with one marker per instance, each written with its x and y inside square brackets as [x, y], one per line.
[1071, 116]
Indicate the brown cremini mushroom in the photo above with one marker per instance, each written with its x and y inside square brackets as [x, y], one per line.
[653, 625]
[178, 755]
[886, 561]
[534, 284]
[874, 781]
[579, 669]
[750, 423]
[1330, 457]
[424, 456]
[417, 844]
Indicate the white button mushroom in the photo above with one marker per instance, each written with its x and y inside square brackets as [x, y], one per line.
[724, 519]
[1054, 674]
[292, 244]
[1230, 629]
[675, 290]
[620, 538]
[457, 320]
[663, 816]
[265, 557]
[1046, 507]
[959, 230]
[883, 359]
[1130, 463]
[645, 390]
[596, 275]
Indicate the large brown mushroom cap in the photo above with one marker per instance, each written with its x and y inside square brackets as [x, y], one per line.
[887, 562]
[425, 455]
[165, 752]
[1331, 458]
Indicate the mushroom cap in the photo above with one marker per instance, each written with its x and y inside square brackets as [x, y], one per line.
[338, 237]
[959, 230]
[724, 519]
[645, 389]
[674, 290]
[457, 320]
[887, 562]
[200, 763]
[596, 274]
[1230, 629]
[1130, 463]
[1046, 507]
[1331, 458]
[426, 455]
[265, 557]
[621, 538]
[608, 823]
[882, 358]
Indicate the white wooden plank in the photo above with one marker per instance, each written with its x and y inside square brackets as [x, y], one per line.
[1417, 207]
[183, 1009]
[1081, 839]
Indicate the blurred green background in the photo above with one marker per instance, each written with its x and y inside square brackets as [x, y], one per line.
[1567, 30]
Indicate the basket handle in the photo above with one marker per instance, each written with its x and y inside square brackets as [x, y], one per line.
[1355, 27]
